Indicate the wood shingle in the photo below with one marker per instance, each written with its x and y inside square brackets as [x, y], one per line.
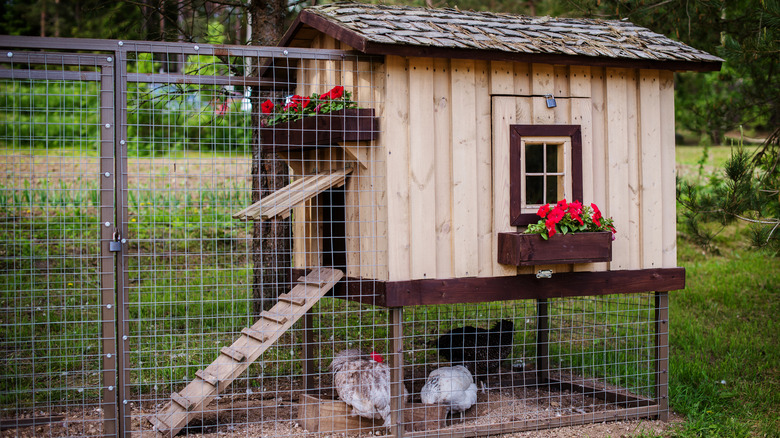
[414, 31]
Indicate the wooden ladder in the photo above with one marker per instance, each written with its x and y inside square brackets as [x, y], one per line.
[234, 360]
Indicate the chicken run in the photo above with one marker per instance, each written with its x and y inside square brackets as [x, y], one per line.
[383, 283]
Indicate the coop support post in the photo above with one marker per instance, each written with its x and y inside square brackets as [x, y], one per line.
[397, 373]
[542, 341]
[309, 353]
[662, 354]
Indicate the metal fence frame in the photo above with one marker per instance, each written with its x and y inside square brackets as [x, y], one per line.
[111, 57]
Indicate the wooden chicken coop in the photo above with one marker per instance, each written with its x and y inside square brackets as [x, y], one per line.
[418, 197]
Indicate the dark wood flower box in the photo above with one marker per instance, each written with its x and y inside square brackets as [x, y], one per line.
[521, 249]
[353, 124]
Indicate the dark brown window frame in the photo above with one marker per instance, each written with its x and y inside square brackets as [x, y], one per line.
[516, 133]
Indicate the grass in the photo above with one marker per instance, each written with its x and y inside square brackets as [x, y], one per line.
[724, 346]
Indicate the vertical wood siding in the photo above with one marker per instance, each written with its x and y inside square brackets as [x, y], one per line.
[436, 192]
[628, 159]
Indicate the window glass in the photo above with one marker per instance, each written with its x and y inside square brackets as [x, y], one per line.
[534, 158]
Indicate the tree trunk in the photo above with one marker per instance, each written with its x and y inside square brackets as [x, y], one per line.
[271, 239]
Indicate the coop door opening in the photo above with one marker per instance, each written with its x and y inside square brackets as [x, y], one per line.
[334, 241]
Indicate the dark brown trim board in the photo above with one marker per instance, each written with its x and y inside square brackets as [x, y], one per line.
[519, 287]
[516, 133]
[522, 287]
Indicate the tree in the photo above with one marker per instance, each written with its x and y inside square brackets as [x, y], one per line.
[271, 243]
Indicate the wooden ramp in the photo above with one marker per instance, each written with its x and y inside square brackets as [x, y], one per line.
[234, 360]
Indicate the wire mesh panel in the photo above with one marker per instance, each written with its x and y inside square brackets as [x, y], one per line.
[536, 364]
[212, 347]
[55, 329]
[194, 239]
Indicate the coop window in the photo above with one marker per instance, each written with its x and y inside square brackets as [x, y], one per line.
[545, 166]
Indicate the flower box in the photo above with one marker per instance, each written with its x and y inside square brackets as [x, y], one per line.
[520, 249]
[351, 124]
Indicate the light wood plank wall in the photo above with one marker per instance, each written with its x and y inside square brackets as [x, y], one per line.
[462, 119]
[435, 195]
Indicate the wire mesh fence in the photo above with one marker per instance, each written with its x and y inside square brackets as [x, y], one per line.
[138, 298]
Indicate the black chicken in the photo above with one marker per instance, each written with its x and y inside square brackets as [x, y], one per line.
[478, 349]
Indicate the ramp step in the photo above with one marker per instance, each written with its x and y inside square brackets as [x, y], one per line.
[233, 354]
[254, 334]
[158, 424]
[187, 403]
[317, 277]
[206, 377]
[273, 317]
[287, 298]
[183, 402]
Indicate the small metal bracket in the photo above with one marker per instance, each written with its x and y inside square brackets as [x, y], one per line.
[544, 273]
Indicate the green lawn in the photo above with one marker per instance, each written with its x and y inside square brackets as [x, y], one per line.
[724, 356]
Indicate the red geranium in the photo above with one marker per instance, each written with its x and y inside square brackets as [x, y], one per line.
[336, 92]
[564, 218]
[267, 107]
[302, 102]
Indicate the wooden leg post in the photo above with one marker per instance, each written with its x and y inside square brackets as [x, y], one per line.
[542, 342]
[309, 353]
[397, 373]
[662, 354]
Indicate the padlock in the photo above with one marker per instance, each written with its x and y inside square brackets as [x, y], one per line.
[550, 101]
[115, 245]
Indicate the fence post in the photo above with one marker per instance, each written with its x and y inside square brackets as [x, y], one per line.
[108, 226]
[122, 279]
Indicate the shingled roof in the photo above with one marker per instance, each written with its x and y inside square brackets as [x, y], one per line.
[452, 33]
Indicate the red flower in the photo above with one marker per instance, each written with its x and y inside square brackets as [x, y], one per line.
[575, 208]
[267, 107]
[556, 215]
[302, 102]
[291, 105]
[550, 227]
[562, 204]
[576, 217]
[336, 92]
[543, 210]
[596, 215]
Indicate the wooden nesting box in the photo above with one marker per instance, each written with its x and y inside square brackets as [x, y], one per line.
[327, 415]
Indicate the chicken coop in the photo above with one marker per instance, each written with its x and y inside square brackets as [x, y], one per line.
[394, 290]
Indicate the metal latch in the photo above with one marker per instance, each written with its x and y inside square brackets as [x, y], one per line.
[544, 273]
[115, 245]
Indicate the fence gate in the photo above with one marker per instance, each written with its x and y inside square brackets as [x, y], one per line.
[122, 271]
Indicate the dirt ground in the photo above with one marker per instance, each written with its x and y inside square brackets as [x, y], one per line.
[276, 415]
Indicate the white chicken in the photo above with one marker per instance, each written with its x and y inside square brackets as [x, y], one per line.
[363, 382]
[451, 386]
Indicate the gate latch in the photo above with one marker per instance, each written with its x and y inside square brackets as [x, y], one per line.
[544, 273]
[115, 245]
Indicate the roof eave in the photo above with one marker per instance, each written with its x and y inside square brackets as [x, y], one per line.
[500, 55]
[340, 33]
